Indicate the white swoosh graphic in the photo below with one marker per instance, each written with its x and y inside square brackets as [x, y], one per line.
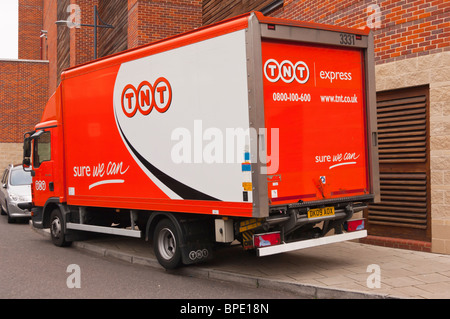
[110, 181]
[340, 164]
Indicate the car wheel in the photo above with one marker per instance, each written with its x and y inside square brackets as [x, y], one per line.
[10, 219]
[167, 244]
[57, 229]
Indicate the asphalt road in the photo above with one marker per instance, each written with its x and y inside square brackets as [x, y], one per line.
[32, 267]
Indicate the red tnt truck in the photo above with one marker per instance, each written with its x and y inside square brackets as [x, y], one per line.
[254, 129]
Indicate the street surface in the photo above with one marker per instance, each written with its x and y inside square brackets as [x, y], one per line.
[32, 267]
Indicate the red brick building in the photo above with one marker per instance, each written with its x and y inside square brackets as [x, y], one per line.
[23, 92]
[23, 85]
[412, 54]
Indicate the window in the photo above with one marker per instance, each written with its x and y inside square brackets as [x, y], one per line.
[20, 177]
[42, 149]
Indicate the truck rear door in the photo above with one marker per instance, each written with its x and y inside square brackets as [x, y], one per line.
[315, 96]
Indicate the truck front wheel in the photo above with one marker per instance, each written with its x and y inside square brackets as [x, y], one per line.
[57, 229]
[167, 244]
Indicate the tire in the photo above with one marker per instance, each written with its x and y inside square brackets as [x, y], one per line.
[57, 229]
[166, 241]
[10, 219]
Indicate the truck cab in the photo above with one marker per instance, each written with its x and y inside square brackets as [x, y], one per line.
[43, 156]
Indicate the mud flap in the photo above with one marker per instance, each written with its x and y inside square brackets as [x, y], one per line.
[198, 239]
[192, 253]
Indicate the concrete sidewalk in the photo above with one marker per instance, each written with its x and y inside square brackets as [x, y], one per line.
[333, 271]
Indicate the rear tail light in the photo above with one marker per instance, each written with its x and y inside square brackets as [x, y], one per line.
[268, 239]
[354, 225]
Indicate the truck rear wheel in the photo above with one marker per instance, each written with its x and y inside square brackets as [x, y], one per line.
[166, 241]
[57, 229]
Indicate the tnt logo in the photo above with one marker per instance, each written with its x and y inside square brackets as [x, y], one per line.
[286, 71]
[146, 97]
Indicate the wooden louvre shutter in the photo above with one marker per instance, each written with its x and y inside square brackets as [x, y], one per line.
[403, 141]
[63, 40]
[215, 10]
[110, 41]
[402, 130]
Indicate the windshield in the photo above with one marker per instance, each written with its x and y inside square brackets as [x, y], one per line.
[20, 177]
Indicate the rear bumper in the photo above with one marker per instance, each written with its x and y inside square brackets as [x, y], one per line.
[277, 249]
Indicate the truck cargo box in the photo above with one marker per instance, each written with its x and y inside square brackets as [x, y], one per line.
[252, 117]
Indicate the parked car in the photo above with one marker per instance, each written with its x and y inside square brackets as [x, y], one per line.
[15, 194]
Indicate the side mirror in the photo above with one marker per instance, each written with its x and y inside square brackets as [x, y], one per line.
[27, 147]
[27, 138]
[26, 162]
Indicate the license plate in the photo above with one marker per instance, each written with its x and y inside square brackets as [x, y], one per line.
[321, 212]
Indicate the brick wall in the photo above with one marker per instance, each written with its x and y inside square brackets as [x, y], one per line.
[397, 243]
[23, 95]
[149, 21]
[82, 39]
[407, 29]
[23, 84]
[30, 26]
